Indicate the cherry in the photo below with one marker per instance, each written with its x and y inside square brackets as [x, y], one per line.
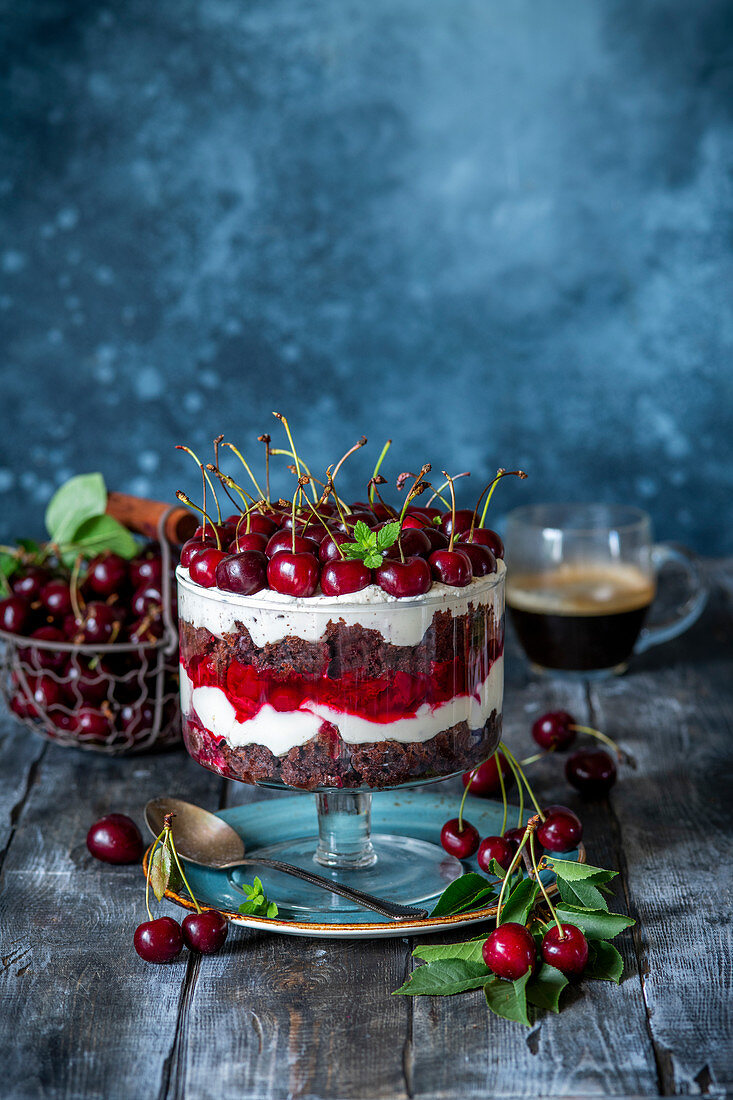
[510, 951]
[244, 573]
[481, 558]
[568, 953]
[451, 567]
[159, 941]
[202, 566]
[258, 524]
[207, 531]
[484, 779]
[88, 683]
[328, 550]
[146, 599]
[147, 569]
[15, 612]
[106, 574]
[190, 547]
[205, 932]
[515, 837]
[293, 574]
[137, 718]
[436, 538]
[56, 598]
[498, 848]
[147, 629]
[255, 540]
[115, 838]
[30, 583]
[349, 522]
[560, 831]
[591, 771]
[284, 541]
[553, 730]
[463, 521]
[484, 536]
[99, 623]
[415, 543]
[46, 658]
[92, 724]
[62, 720]
[459, 842]
[404, 578]
[340, 577]
[416, 518]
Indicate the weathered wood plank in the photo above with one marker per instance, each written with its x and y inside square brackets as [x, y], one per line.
[20, 752]
[96, 1020]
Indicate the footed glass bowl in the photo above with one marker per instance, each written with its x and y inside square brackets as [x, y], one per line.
[342, 696]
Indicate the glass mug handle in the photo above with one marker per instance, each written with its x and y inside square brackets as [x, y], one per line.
[688, 612]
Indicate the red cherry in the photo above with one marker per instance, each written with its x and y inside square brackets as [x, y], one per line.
[30, 583]
[255, 540]
[416, 518]
[293, 574]
[460, 843]
[436, 538]
[88, 684]
[99, 623]
[340, 577]
[92, 725]
[283, 542]
[146, 599]
[15, 613]
[137, 718]
[510, 951]
[146, 629]
[56, 598]
[404, 578]
[47, 693]
[415, 543]
[115, 838]
[484, 779]
[258, 524]
[451, 567]
[146, 569]
[569, 953]
[498, 848]
[464, 519]
[159, 941]
[482, 560]
[591, 771]
[190, 547]
[515, 837]
[106, 574]
[46, 658]
[202, 566]
[349, 522]
[206, 931]
[223, 531]
[560, 831]
[328, 550]
[552, 730]
[243, 573]
[484, 536]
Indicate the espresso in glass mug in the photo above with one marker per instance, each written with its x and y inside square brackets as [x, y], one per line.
[581, 579]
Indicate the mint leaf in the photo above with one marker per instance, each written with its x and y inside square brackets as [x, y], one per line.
[574, 872]
[364, 534]
[8, 564]
[470, 951]
[257, 903]
[508, 999]
[96, 535]
[582, 893]
[257, 885]
[604, 963]
[352, 549]
[545, 988]
[470, 891]
[388, 535]
[78, 499]
[160, 870]
[518, 905]
[271, 910]
[445, 977]
[595, 924]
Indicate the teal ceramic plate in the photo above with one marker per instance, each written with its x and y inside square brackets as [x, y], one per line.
[409, 813]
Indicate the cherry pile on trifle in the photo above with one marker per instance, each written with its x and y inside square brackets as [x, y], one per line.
[327, 644]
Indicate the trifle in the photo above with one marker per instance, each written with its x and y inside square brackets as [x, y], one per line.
[343, 648]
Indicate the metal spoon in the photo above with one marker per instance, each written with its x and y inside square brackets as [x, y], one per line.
[206, 840]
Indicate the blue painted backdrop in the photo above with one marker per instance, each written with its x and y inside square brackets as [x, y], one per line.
[498, 232]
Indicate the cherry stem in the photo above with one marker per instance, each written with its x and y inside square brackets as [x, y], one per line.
[266, 440]
[373, 489]
[326, 527]
[490, 487]
[512, 760]
[466, 473]
[601, 737]
[460, 809]
[452, 511]
[538, 879]
[215, 470]
[534, 758]
[503, 794]
[172, 845]
[520, 788]
[150, 864]
[291, 454]
[185, 500]
[531, 826]
[331, 471]
[180, 447]
[240, 456]
[372, 483]
[74, 594]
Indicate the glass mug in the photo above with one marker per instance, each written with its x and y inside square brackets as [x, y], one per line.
[581, 579]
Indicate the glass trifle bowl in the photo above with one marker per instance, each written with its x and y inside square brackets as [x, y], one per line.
[343, 696]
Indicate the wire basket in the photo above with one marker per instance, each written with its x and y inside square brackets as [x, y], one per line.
[118, 698]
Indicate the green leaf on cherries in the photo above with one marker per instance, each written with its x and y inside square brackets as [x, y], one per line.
[546, 986]
[470, 951]
[98, 534]
[388, 535]
[582, 893]
[160, 870]
[444, 977]
[574, 872]
[368, 546]
[470, 891]
[509, 999]
[604, 962]
[77, 500]
[518, 905]
[595, 924]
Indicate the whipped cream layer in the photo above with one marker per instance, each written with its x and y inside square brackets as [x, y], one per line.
[280, 731]
[270, 616]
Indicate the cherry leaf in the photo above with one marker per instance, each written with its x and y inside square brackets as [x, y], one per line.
[604, 963]
[573, 872]
[518, 905]
[470, 891]
[595, 924]
[160, 870]
[96, 535]
[444, 977]
[78, 499]
[546, 986]
[582, 893]
[470, 951]
[509, 999]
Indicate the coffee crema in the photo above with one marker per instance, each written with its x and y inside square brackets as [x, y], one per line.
[580, 617]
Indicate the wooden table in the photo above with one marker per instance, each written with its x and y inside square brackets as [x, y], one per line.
[82, 1016]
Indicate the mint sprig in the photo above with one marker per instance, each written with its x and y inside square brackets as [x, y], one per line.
[257, 903]
[369, 546]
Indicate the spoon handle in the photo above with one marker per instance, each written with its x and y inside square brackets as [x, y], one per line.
[386, 908]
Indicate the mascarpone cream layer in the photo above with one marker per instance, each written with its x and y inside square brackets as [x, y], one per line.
[280, 731]
[271, 616]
